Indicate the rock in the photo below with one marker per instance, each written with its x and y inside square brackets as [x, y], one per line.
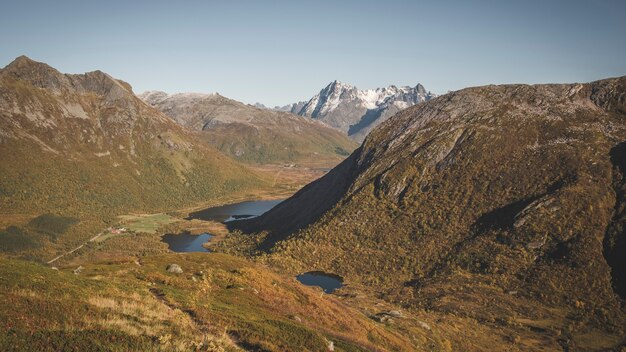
[423, 325]
[200, 275]
[388, 316]
[383, 318]
[174, 268]
[395, 313]
[386, 319]
[78, 270]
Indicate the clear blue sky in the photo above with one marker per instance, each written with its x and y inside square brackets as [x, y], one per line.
[277, 52]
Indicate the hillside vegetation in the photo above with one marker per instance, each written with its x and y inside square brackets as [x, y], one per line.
[85, 147]
[218, 303]
[85, 143]
[501, 205]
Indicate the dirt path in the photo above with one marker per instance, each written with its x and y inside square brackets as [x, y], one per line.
[75, 249]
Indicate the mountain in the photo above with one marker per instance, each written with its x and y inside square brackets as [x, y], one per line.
[356, 112]
[78, 150]
[85, 144]
[292, 108]
[496, 209]
[251, 134]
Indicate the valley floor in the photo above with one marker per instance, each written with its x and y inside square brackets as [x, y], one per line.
[108, 288]
[114, 292]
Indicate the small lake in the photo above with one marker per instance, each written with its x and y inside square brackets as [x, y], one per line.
[235, 211]
[187, 242]
[328, 282]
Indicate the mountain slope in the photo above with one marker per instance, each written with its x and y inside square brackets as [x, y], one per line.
[356, 112]
[218, 303]
[85, 144]
[251, 134]
[503, 205]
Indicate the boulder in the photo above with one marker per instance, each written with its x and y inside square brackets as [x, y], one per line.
[387, 317]
[174, 268]
[383, 318]
[395, 313]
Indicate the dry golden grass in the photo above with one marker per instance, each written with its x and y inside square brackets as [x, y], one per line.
[138, 315]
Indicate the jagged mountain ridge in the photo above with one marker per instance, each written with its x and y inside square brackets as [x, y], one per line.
[251, 134]
[356, 112]
[293, 108]
[498, 204]
[84, 143]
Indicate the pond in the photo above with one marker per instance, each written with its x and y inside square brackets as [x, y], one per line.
[235, 211]
[328, 282]
[187, 242]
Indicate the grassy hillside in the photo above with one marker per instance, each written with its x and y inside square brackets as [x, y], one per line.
[268, 144]
[499, 204]
[38, 182]
[85, 147]
[218, 303]
[86, 143]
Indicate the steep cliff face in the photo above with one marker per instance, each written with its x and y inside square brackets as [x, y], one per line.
[86, 144]
[503, 204]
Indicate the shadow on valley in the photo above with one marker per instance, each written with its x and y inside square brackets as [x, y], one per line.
[370, 116]
[503, 218]
[32, 234]
[304, 207]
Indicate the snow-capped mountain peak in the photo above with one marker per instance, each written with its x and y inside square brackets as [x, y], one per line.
[356, 112]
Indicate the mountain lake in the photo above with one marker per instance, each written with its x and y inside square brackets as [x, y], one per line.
[185, 242]
[235, 211]
[328, 282]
